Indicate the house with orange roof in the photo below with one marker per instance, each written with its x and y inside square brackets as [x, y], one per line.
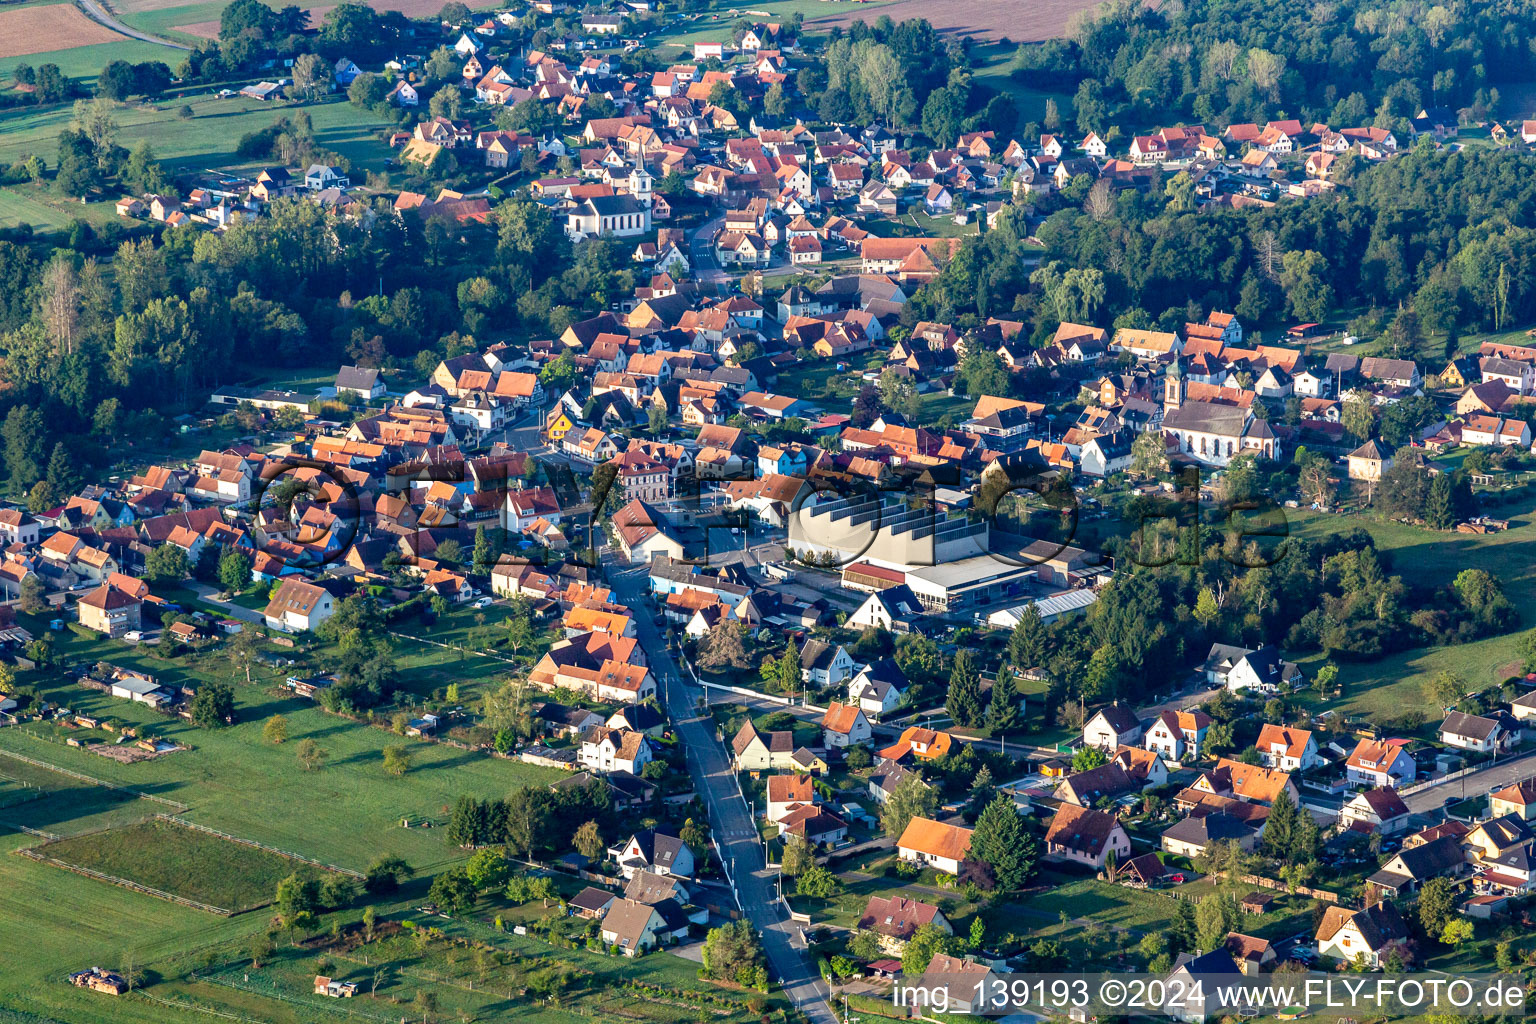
[787, 793]
[844, 725]
[1287, 748]
[1377, 763]
[581, 620]
[1178, 734]
[936, 844]
[1249, 783]
[921, 744]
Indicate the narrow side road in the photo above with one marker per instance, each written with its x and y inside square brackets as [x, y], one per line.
[734, 831]
[98, 13]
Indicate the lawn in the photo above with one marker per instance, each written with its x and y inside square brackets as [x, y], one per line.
[206, 139]
[1390, 685]
[42, 207]
[54, 921]
[992, 64]
[181, 861]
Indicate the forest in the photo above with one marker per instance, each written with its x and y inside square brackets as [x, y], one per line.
[1336, 596]
[1445, 237]
[93, 353]
[1229, 61]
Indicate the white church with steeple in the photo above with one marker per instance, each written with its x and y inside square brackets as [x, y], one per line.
[1211, 429]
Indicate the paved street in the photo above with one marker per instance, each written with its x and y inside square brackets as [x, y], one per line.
[1432, 798]
[734, 830]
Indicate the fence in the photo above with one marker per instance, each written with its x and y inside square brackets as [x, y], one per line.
[743, 691]
[32, 852]
[1459, 773]
[95, 782]
[184, 823]
[1300, 890]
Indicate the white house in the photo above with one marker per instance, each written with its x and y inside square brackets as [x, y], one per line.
[613, 750]
[1376, 764]
[1286, 748]
[1471, 732]
[937, 844]
[878, 688]
[296, 606]
[894, 609]
[1380, 810]
[823, 664]
[1178, 734]
[1242, 668]
[844, 725]
[660, 853]
[1112, 727]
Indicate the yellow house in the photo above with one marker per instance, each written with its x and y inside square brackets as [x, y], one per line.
[1518, 799]
[1452, 377]
[559, 425]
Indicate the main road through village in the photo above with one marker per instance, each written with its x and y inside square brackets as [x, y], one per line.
[756, 886]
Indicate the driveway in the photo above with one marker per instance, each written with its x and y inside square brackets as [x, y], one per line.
[753, 884]
[205, 593]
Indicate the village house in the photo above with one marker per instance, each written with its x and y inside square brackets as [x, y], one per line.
[612, 750]
[1375, 764]
[1112, 727]
[935, 844]
[1376, 810]
[878, 687]
[297, 606]
[656, 851]
[1369, 934]
[1177, 735]
[896, 919]
[1287, 748]
[823, 664]
[844, 725]
[1081, 835]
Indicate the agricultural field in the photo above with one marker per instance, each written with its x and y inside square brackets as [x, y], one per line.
[206, 139]
[27, 30]
[86, 59]
[54, 921]
[192, 22]
[710, 27]
[181, 861]
[1017, 20]
[36, 798]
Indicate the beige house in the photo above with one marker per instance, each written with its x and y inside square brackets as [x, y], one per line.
[754, 751]
[1518, 799]
[1084, 836]
[109, 610]
[631, 926]
[1368, 462]
[1345, 934]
